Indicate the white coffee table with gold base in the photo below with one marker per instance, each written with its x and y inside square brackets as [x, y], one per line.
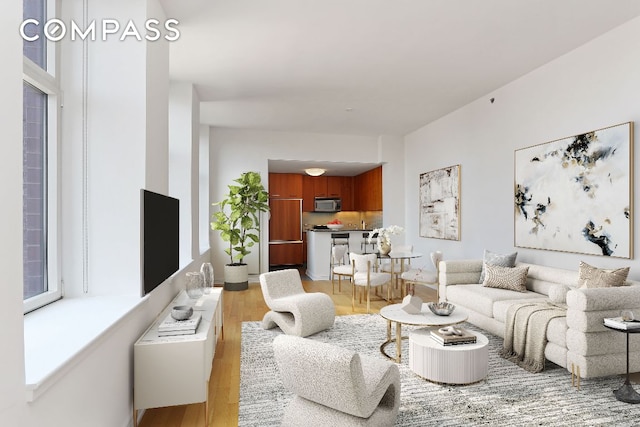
[395, 313]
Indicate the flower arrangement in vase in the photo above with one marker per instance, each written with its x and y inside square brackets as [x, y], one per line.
[383, 237]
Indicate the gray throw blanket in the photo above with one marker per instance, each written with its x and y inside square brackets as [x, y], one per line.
[525, 335]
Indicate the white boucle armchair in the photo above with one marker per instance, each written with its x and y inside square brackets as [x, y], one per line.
[333, 386]
[295, 311]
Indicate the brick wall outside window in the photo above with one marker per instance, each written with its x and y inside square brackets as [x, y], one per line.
[34, 191]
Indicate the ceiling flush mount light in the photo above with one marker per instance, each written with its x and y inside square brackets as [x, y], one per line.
[314, 171]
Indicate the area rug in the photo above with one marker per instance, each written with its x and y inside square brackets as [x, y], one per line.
[509, 396]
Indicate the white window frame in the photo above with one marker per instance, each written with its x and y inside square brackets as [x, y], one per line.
[47, 82]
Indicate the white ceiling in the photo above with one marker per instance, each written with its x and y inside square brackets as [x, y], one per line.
[368, 67]
[331, 168]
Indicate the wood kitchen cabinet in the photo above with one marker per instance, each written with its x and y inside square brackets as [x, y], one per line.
[286, 253]
[285, 232]
[312, 187]
[327, 186]
[285, 185]
[367, 190]
[334, 186]
[342, 187]
[285, 220]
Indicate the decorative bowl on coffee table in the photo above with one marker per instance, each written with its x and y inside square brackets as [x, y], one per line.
[441, 308]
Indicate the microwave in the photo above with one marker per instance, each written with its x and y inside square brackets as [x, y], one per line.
[327, 204]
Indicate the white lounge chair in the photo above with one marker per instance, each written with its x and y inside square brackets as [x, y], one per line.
[295, 311]
[334, 386]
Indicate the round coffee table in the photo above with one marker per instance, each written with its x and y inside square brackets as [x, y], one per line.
[395, 313]
[448, 364]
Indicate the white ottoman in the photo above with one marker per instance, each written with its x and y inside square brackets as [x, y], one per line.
[449, 364]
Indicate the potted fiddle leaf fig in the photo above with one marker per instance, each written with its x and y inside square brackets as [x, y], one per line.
[238, 221]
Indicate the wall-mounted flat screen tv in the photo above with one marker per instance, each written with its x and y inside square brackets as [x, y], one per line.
[160, 240]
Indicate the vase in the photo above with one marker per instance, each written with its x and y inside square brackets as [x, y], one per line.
[207, 276]
[236, 277]
[384, 248]
[194, 285]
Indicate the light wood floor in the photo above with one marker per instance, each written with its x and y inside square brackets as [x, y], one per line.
[224, 385]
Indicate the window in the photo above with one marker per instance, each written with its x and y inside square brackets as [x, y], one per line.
[34, 193]
[35, 50]
[39, 147]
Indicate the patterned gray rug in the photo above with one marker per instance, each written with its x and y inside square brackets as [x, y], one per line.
[509, 396]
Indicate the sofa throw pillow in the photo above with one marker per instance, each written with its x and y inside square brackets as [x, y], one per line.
[593, 277]
[502, 260]
[511, 278]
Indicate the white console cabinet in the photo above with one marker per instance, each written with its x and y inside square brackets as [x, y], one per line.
[175, 370]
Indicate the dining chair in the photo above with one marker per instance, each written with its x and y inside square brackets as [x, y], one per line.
[423, 276]
[364, 277]
[398, 264]
[340, 266]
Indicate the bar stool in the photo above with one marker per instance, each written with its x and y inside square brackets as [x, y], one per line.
[364, 244]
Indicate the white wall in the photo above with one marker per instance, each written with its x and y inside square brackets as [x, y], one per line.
[184, 143]
[203, 194]
[237, 151]
[157, 108]
[12, 405]
[594, 86]
[393, 190]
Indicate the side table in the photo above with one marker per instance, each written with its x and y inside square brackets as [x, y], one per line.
[626, 392]
[448, 364]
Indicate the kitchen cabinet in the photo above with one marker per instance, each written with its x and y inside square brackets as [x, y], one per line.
[367, 190]
[286, 253]
[285, 220]
[285, 232]
[342, 187]
[363, 192]
[312, 187]
[285, 185]
[334, 186]
[327, 186]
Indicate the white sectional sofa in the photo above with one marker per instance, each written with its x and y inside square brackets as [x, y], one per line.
[578, 341]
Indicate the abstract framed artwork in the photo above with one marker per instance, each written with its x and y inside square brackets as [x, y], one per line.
[575, 194]
[440, 203]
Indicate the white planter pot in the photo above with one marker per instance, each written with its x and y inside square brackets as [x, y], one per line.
[236, 277]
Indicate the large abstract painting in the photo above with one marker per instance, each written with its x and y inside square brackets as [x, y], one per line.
[440, 203]
[574, 194]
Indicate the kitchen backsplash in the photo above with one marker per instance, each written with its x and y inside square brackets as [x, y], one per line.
[350, 219]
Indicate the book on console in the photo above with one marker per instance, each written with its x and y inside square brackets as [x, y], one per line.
[172, 325]
[465, 338]
[175, 333]
[618, 323]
